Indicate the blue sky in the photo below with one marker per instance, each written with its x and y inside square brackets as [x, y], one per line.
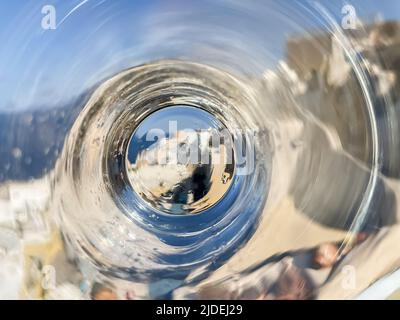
[46, 68]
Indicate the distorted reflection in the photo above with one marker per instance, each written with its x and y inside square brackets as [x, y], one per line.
[181, 160]
[116, 190]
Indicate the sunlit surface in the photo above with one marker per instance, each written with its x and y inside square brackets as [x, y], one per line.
[199, 150]
[180, 170]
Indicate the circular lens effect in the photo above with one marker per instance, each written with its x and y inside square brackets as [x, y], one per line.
[180, 160]
[175, 181]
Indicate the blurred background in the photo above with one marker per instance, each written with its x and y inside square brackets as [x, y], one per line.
[318, 80]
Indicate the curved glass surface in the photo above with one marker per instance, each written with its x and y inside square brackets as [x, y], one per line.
[199, 150]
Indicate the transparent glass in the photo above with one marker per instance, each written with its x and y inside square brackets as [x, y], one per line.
[303, 202]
